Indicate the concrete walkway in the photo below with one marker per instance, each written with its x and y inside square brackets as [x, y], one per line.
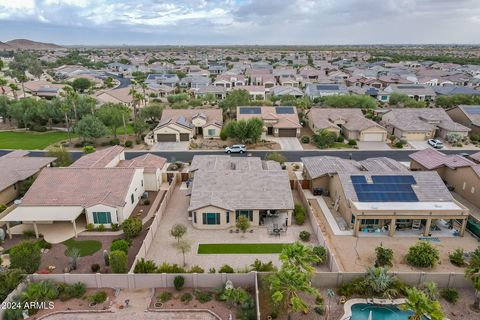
[54, 233]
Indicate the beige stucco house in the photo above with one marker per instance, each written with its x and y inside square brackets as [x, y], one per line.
[469, 116]
[349, 122]
[183, 124]
[225, 188]
[278, 121]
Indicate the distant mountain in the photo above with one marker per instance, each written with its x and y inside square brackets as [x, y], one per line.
[31, 45]
[4, 46]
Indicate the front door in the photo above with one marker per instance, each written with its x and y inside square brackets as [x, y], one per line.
[270, 131]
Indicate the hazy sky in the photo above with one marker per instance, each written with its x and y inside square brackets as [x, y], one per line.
[160, 22]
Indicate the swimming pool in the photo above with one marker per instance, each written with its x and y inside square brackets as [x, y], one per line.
[361, 311]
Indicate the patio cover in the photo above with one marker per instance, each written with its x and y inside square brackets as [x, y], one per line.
[40, 214]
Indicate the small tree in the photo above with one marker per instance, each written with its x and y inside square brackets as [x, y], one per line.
[178, 231]
[384, 256]
[25, 256]
[324, 138]
[90, 127]
[118, 261]
[243, 224]
[422, 255]
[63, 158]
[178, 282]
[473, 273]
[183, 246]
[145, 266]
[81, 84]
[421, 305]
[131, 227]
[120, 244]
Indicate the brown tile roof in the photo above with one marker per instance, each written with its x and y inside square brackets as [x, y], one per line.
[382, 164]
[433, 159]
[179, 116]
[226, 162]
[324, 118]
[473, 116]
[148, 161]
[98, 159]
[80, 187]
[323, 165]
[270, 113]
[14, 167]
[475, 156]
[424, 119]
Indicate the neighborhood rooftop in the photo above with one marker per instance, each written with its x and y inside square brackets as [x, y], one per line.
[226, 162]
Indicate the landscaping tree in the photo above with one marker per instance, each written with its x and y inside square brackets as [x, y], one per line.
[300, 256]
[350, 101]
[90, 127]
[81, 84]
[384, 256]
[120, 244]
[244, 130]
[145, 266]
[234, 99]
[473, 273]
[299, 213]
[178, 231]
[131, 227]
[243, 224]
[25, 256]
[421, 305]
[422, 255]
[183, 246]
[113, 115]
[152, 112]
[118, 261]
[63, 158]
[406, 101]
[276, 156]
[324, 138]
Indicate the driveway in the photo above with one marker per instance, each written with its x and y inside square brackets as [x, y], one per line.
[371, 145]
[421, 145]
[288, 144]
[170, 146]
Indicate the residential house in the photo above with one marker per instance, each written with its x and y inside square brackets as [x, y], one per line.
[414, 91]
[351, 123]
[183, 124]
[194, 82]
[225, 188]
[166, 79]
[277, 121]
[280, 91]
[421, 124]
[459, 173]
[215, 68]
[229, 81]
[255, 92]
[121, 95]
[379, 195]
[318, 90]
[469, 116]
[218, 92]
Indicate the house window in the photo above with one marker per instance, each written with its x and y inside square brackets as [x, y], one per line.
[142, 183]
[101, 217]
[132, 198]
[370, 221]
[195, 217]
[211, 218]
[245, 213]
[211, 132]
[228, 216]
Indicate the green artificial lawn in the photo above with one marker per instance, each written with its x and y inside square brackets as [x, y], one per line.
[30, 140]
[239, 248]
[86, 247]
[340, 145]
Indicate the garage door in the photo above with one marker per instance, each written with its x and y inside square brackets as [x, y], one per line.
[167, 137]
[287, 132]
[184, 137]
[373, 136]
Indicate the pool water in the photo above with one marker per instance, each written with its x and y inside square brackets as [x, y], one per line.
[361, 312]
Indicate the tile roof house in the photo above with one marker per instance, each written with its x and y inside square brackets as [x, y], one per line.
[415, 91]
[121, 95]
[217, 91]
[469, 116]
[380, 195]
[278, 121]
[225, 188]
[16, 167]
[351, 123]
[166, 79]
[317, 90]
[183, 124]
[280, 91]
[256, 92]
[458, 172]
[421, 123]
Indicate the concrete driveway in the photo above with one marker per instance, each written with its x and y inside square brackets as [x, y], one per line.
[288, 144]
[170, 146]
[371, 145]
[421, 145]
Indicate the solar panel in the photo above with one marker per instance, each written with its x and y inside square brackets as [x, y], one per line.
[410, 87]
[394, 179]
[248, 110]
[472, 110]
[284, 110]
[358, 179]
[385, 189]
[327, 87]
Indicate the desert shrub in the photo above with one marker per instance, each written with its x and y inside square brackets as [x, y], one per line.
[352, 142]
[43, 244]
[178, 282]
[2, 207]
[25, 256]
[299, 214]
[90, 227]
[304, 236]
[170, 268]
[95, 267]
[305, 139]
[196, 269]
[114, 142]
[202, 296]
[146, 202]
[276, 156]
[164, 297]
[456, 257]
[98, 297]
[398, 144]
[115, 226]
[186, 297]
[129, 143]
[120, 244]
[101, 227]
[321, 253]
[340, 139]
[259, 266]
[422, 255]
[89, 149]
[70, 291]
[384, 256]
[118, 261]
[145, 266]
[451, 295]
[226, 269]
[28, 234]
[131, 227]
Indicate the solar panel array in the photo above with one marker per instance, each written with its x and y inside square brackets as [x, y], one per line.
[248, 110]
[327, 87]
[284, 110]
[472, 110]
[385, 189]
[410, 87]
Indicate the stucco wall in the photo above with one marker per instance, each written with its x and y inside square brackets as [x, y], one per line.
[223, 218]
[137, 190]
[114, 213]
[152, 180]
[466, 183]
[9, 194]
[216, 133]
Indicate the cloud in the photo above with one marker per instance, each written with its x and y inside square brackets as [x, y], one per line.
[243, 21]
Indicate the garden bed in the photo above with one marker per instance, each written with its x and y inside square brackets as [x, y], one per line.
[240, 248]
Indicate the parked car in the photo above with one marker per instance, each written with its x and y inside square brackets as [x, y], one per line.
[437, 144]
[236, 148]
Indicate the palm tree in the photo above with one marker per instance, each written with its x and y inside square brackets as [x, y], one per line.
[40, 291]
[135, 100]
[65, 108]
[473, 273]
[420, 305]
[299, 256]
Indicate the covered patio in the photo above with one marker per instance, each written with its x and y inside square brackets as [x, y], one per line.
[56, 224]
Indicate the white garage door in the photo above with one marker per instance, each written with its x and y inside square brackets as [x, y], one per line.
[372, 136]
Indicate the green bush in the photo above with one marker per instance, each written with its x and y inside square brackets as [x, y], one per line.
[299, 213]
[70, 291]
[145, 266]
[25, 256]
[89, 149]
[340, 139]
[186, 297]
[305, 139]
[90, 227]
[115, 226]
[456, 257]
[98, 297]
[95, 267]
[276, 156]
[101, 227]
[384, 256]
[422, 255]
[170, 268]
[131, 227]
[202, 296]
[129, 143]
[352, 142]
[196, 269]
[118, 261]
[321, 253]
[2, 207]
[451, 295]
[178, 282]
[223, 135]
[120, 244]
[226, 269]
[304, 236]
[164, 297]
[398, 145]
